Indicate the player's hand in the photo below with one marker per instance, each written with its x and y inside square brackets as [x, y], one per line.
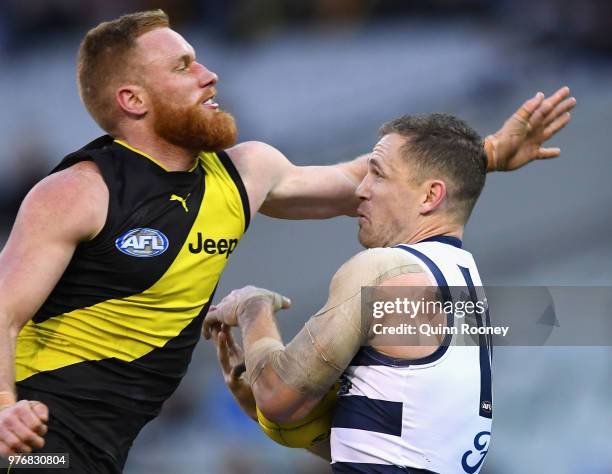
[520, 139]
[231, 360]
[228, 309]
[22, 427]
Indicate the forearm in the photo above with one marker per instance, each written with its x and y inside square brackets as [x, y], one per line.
[257, 321]
[246, 401]
[276, 399]
[356, 169]
[260, 337]
[8, 336]
[317, 192]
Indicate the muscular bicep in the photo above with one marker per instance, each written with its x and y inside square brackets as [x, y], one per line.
[323, 349]
[59, 212]
[312, 192]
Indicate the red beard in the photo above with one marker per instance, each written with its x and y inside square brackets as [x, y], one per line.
[195, 128]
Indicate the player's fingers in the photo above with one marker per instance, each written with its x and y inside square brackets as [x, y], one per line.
[10, 439]
[555, 99]
[210, 321]
[26, 436]
[285, 302]
[5, 451]
[205, 331]
[238, 370]
[40, 410]
[545, 153]
[557, 125]
[41, 430]
[28, 417]
[538, 115]
[529, 107]
[223, 353]
[560, 109]
[214, 334]
[561, 94]
[231, 343]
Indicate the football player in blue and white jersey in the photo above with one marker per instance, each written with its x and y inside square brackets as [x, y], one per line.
[403, 407]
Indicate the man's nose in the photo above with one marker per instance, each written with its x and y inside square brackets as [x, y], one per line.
[207, 77]
[363, 190]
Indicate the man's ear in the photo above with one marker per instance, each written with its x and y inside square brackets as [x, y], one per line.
[132, 99]
[435, 192]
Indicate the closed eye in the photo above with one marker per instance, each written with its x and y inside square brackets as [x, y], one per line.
[376, 171]
[185, 62]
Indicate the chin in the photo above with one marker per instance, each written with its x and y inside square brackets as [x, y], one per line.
[368, 243]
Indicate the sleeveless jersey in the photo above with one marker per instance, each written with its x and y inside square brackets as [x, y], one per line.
[115, 336]
[426, 415]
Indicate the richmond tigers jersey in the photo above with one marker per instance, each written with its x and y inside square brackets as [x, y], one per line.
[429, 415]
[115, 336]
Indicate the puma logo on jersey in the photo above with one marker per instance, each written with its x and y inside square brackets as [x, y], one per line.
[183, 201]
[212, 246]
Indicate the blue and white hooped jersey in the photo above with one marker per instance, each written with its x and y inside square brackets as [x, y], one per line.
[426, 415]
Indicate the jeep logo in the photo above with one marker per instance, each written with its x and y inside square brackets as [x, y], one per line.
[211, 246]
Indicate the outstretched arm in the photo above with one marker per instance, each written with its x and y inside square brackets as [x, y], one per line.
[278, 188]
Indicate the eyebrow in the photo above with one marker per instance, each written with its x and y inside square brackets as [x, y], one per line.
[186, 58]
[375, 163]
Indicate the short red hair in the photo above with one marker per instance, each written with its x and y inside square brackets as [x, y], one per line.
[103, 61]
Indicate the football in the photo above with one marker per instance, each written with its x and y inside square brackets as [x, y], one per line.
[307, 432]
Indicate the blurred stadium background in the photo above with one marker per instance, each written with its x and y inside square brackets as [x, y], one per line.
[316, 79]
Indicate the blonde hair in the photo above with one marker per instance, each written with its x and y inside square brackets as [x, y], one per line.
[103, 60]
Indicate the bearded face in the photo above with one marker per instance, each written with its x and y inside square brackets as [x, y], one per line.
[196, 127]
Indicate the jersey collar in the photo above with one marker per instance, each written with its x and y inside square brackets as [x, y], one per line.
[445, 239]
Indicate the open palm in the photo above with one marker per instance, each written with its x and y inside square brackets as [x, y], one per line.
[521, 138]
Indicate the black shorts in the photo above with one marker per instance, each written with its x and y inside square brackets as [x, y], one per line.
[85, 458]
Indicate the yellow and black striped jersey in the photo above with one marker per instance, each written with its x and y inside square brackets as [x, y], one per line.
[115, 336]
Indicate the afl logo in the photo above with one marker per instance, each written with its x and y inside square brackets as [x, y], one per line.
[142, 243]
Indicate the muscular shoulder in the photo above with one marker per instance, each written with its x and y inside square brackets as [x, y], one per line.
[74, 200]
[261, 167]
[373, 267]
[257, 158]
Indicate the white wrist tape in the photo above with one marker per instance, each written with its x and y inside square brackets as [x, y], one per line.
[258, 355]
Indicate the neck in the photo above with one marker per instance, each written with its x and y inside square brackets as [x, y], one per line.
[172, 157]
[433, 229]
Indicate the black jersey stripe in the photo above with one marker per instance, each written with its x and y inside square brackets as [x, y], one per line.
[98, 271]
[233, 172]
[133, 392]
